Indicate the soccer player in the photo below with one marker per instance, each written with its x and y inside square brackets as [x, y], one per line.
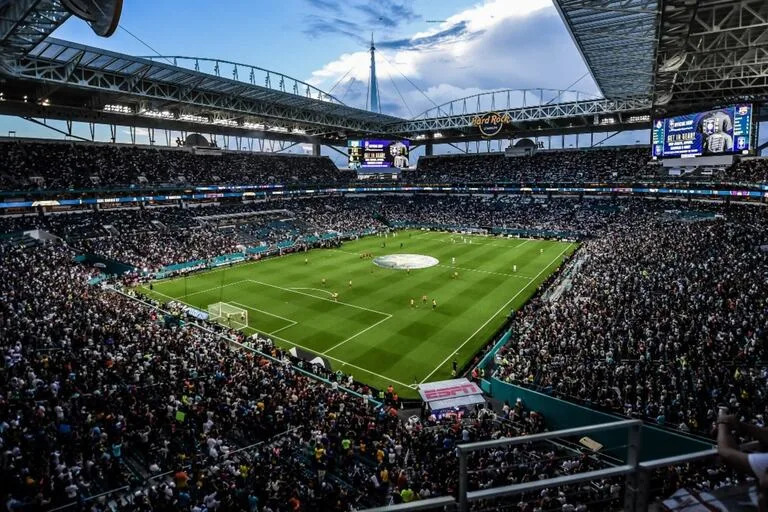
[514, 268]
[242, 316]
[541, 251]
[306, 260]
[335, 296]
[453, 260]
[350, 283]
[424, 299]
[455, 275]
[323, 281]
[434, 304]
[413, 303]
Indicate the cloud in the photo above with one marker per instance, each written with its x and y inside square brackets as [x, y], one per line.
[370, 16]
[456, 32]
[386, 13]
[498, 44]
[318, 26]
[325, 5]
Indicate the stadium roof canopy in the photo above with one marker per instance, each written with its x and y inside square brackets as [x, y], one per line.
[24, 23]
[684, 54]
[617, 39]
[711, 52]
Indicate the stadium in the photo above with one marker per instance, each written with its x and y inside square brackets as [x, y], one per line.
[414, 280]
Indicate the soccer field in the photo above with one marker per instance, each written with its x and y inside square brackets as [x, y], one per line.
[372, 331]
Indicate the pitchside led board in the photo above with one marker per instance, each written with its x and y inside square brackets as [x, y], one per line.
[723, 131]
[381, 155]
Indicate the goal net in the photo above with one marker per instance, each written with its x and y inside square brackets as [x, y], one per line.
[227, 314]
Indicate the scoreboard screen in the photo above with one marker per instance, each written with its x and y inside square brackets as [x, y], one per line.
[723, 131]
[378, 154]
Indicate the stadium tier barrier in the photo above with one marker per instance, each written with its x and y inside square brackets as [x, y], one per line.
[560, 415]
[114, 267]
[524, 233]
[108, 265]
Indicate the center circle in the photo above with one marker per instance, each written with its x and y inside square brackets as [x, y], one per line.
[405, 261]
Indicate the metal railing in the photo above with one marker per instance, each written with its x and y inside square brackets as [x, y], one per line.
[637, 475]
[629, 468]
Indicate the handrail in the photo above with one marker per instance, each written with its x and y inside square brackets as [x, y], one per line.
[447, 502]
[511, 441]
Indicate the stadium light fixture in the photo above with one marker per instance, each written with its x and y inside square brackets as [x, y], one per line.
[299, 131]
[437, 135]
[25, 98]
[45, 102]
[2, 96]
[164, 114]
[119, 109]
[194, 118]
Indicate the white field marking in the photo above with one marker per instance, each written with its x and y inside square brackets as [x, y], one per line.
[282, 329]
[345, 363]
[480, 240]
[341, 250]
[318, 298]
[155, 291]
[526, 241]
[504, 306]
[519, 276]
[292, 322]
[314, 352]
[265, 312]
[206, 291]
[315, 289]
[357, 334]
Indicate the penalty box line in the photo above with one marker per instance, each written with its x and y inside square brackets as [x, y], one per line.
[504, 306]
[387, 316]
[291, 324]
[344, 363]
[411, 386]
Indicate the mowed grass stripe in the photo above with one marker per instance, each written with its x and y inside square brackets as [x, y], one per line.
[404, 348]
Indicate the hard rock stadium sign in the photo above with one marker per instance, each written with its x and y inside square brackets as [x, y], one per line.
[490, 123]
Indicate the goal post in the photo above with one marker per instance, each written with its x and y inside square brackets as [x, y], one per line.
[228, 315]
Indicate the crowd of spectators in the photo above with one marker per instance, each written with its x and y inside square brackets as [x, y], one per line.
[600, 165]
[101, 392]
[52, 165]
[754, 170]
[664, 320]
[27, 166]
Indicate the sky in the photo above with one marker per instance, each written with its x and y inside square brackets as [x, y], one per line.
[428, 51]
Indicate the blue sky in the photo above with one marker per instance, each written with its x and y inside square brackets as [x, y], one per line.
[446, 48]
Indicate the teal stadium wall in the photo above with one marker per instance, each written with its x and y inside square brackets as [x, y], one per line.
[656, 443]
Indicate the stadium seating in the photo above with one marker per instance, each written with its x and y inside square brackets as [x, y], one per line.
[660, 316]
[49, 166]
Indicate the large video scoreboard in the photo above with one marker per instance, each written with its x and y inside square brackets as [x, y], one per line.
[723, 131]
[377, 154]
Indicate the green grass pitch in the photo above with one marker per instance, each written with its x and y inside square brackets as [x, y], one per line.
[372, 331]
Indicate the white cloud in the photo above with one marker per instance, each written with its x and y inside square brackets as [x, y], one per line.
[503, 44]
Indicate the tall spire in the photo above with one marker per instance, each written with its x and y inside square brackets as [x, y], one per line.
[373, 97]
